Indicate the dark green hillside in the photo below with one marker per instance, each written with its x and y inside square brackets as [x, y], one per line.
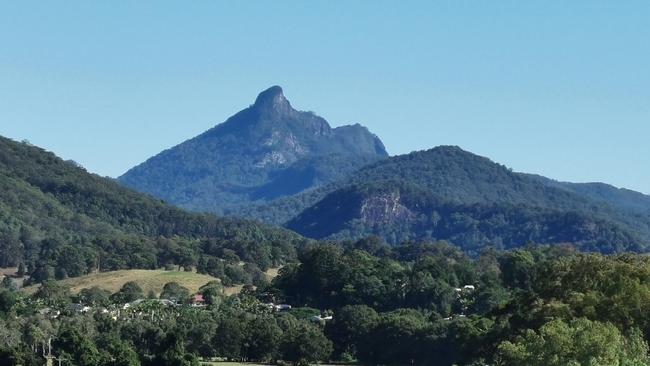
[448, 193]
[622, 198]
[401, 212]
[263, 152]
[62, 221]
[462, 177]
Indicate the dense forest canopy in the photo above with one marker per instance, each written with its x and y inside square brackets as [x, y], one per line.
[447, 193]
[58, 220]
[362, 302]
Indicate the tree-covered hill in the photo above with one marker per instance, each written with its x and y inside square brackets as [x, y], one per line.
[622, 198]
[448, 193]
[60, 221]
[265, 151]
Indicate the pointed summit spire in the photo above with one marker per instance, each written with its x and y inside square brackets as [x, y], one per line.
[272, 99]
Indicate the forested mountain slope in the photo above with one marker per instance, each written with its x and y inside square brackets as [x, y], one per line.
[266, 151]
[61, 221]
[622, 198]
[448, 193]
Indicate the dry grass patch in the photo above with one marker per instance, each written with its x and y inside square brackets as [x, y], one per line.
[149, 280]
[272, 273]
[10, 271]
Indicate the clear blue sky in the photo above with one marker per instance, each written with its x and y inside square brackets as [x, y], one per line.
[560, 88]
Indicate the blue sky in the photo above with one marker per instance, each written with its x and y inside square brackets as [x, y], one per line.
[559, 88]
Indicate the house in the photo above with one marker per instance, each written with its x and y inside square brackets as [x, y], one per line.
[80, 308]
[50, 312]
[319, 318]
[466, 288]
[277, 307]
[197, 300]
[164, 302]
[282, 307]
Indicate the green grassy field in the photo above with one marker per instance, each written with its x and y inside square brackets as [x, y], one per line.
[149, 280]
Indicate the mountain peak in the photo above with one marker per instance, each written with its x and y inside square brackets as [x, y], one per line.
[265, 151]
[272, 99]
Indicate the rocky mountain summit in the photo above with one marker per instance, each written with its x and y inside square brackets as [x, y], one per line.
[266, 151]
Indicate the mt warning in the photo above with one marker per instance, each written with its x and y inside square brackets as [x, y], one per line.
[266, 151]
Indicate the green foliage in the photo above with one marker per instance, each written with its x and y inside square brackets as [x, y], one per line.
[53, 294]
[229, 338]
[350, 327]
[304, 313]
[129, 292]
[8, 302]
[391, 340]
[94, 296]
[58, 221]
[305, 342]
[174, 291]
[77, 347]
[448, 194]
[533, 306]
[429, 318]
[212, 292]
[400, 211]
[265, 337]
[8, 284]
[118, 351]
[580, 342]
[330, 277]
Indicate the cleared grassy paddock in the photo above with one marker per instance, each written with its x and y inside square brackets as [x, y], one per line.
[149, 280]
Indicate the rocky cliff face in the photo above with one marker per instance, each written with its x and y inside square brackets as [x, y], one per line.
[263, 152]
[385, 209]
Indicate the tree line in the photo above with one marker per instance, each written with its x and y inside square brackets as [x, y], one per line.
[367, 303]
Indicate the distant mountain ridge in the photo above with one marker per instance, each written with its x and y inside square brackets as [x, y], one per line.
[281, 166]
[620, 197]
[448, 193]
[266, 151]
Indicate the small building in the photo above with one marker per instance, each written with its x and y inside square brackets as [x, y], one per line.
[283, 307]
[319, 318]
[197, 300]
[466, 288]
[50, 312]
[80, 308]
[164, 302]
